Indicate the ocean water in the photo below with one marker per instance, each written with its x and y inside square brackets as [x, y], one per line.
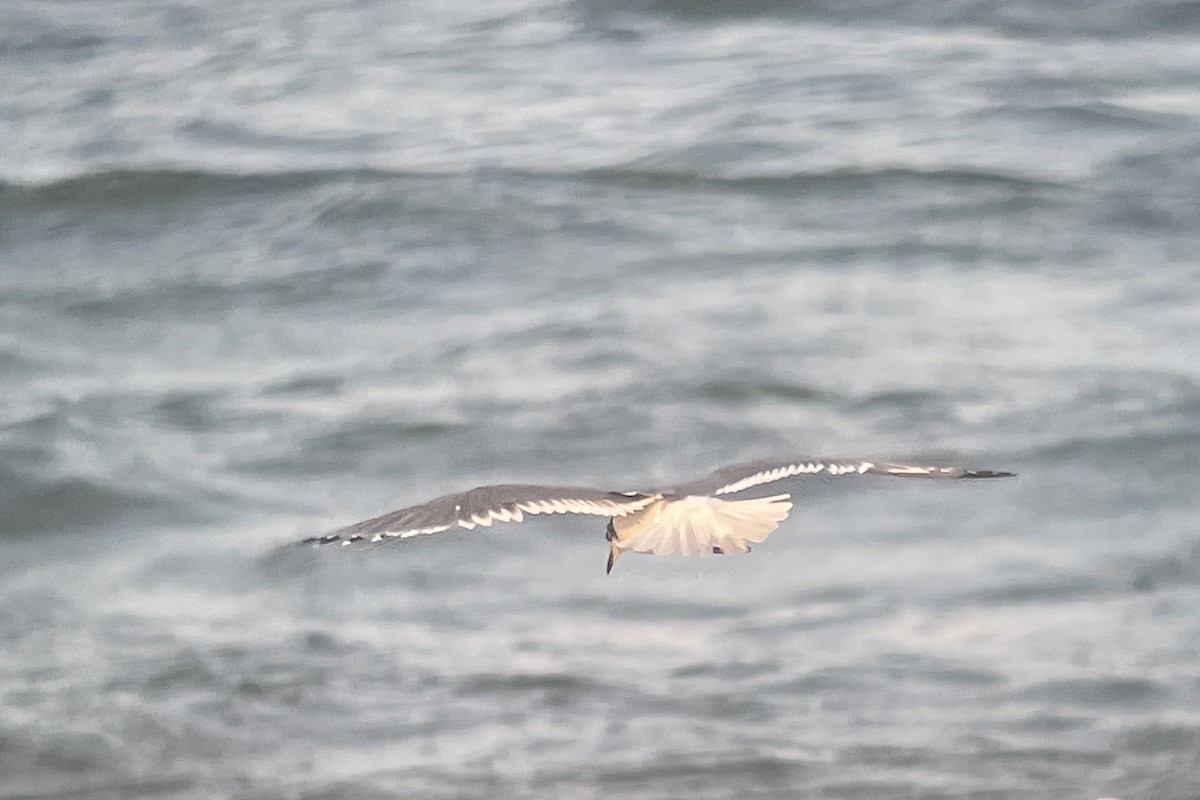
[267, 269]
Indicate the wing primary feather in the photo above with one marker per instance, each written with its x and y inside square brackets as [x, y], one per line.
[484, 506]
[740, 477]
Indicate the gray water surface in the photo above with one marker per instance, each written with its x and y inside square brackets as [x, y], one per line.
[266, 269]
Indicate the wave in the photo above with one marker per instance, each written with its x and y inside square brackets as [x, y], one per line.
[345, 446]
[195, 296]
[840, 179]
[22, 41]
[523, 683]
[1094, 116]
[13, 362]
[81, 763]
[39, 505]
[1104, 691]
[1149, 452]
[42, 489]
[746, 769]
[751, 389]
[153, 185]
[1107, 19]
[738, 391]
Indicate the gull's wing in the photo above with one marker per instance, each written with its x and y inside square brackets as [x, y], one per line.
[485, 505]
[740, 477]
[706, 515]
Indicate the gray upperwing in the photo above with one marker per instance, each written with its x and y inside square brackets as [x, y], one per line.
[483, 506]
[740, 477]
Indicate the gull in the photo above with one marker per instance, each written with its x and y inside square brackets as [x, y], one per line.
[709, 516]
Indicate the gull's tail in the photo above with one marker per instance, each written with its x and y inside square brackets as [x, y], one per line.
[696, 526]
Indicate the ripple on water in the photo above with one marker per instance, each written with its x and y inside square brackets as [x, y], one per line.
[1101, 692]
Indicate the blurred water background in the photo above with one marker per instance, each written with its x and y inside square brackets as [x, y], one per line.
[269, 268]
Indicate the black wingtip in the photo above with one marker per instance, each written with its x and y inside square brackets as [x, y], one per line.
[333, 538]
[987, 473]
[612, 557]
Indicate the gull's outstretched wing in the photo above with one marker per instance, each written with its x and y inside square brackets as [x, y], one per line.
[709, 516]
[485, 505]
[740, 477]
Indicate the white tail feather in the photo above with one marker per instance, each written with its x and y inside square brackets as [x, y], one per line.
[699, 525]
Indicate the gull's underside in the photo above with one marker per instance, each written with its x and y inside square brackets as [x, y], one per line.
[704, 517]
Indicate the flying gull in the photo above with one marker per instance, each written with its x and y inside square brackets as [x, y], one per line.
[708, 516]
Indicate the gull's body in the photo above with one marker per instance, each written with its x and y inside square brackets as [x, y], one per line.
[711, 515]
